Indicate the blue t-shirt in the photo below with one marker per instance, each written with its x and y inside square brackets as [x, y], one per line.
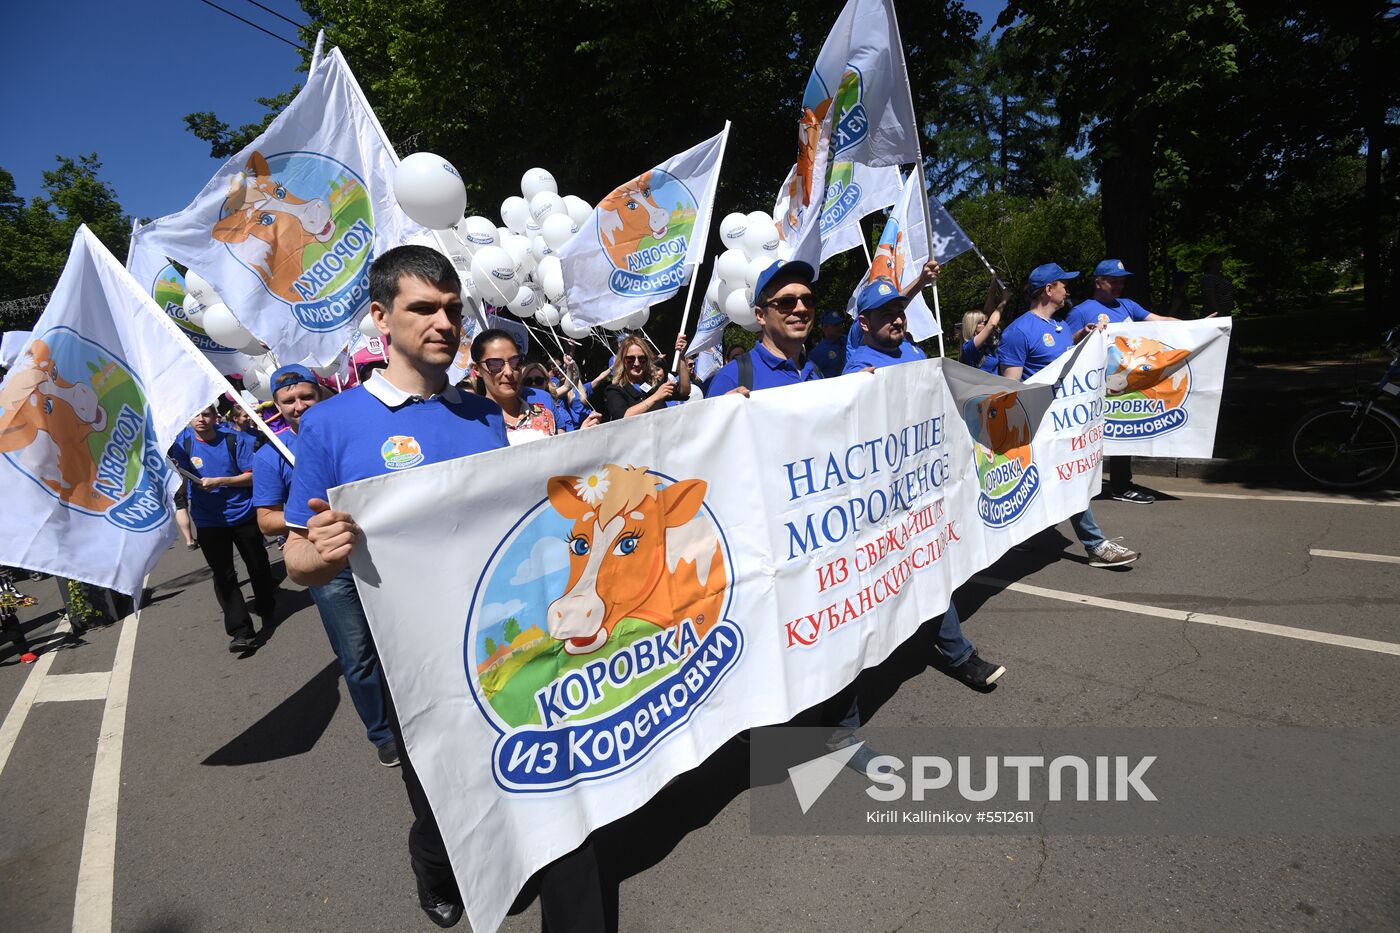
[769, 372]
[981, 357]
[272, 474]
[226, 505]
[866, 355]
[1096, 312]
[829, 356]
[375, 429]
[1034, 343]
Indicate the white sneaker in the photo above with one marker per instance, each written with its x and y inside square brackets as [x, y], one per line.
[1111, 554]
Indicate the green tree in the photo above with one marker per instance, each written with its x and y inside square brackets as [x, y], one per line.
[491, 646]
[512, 629]
[224, 140]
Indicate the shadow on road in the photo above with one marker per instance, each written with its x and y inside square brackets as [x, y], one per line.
[292, 728]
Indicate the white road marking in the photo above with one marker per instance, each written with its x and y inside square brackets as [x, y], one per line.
[1355, 555]
[92, 905]
[62, 688]
[19, 710]
[1325, 500]
[1204, 618]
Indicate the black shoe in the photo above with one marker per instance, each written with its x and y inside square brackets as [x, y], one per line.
[443, 912]
[242, 643]
[976, 673]
[389, 754]
[1135, 496]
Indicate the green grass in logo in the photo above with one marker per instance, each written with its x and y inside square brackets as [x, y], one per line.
[510, 686]
[682, 224]
[115, 388]
[169, 291]
[349, 204]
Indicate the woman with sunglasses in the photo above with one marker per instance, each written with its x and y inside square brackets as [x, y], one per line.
[503, 375]
[637, 385]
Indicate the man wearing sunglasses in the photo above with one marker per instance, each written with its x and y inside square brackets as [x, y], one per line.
[785, 309]
[405, 416]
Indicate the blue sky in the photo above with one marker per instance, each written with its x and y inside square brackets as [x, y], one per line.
[118, 78]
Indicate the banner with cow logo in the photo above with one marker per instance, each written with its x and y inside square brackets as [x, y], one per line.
[86, 416]
[1162, 386]
[645, 239]
[624, 600]
[286, 230]
[856, 108]
[854, 191]
[166, 285]
[899, 259]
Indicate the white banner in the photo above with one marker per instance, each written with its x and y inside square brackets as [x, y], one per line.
[164, 283]
[86, 417]
[1162, 385]
[645, 239]
[626, 599]
[286, 230]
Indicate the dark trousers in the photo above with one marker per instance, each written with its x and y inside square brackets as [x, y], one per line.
[571, 892]
[1120, 473]
[216, 544]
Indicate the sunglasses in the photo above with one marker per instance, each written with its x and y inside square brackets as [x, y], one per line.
[494, 365]
[535, 383]
[786, 303]
[636, 359]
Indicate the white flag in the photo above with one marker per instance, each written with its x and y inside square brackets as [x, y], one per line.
[709, 330]
[286, 230]
[643, 241]
[164, 283]
[12, 344]
[899, 257]
[86, 417]
[857, 108]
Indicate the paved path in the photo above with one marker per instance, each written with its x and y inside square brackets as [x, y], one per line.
[225, 794]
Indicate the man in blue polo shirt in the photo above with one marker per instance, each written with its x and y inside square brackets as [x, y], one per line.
[882, 317]
[785, 308]
[1108, 306]
[294, 391]
[221, 505]
[829, 354]
[407, 415]
[1035, 340]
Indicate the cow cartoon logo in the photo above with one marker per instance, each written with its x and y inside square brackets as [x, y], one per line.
[303, 223]
[169, 292]
[1146, 385]
[401, 452]
[600, 625]
[645, 227]
[1007, 479]
[74, 419]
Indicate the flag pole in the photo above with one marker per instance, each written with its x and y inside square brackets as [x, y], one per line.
[705, 232]
[938, 316]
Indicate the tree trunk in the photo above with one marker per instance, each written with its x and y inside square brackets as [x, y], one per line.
[1126, 167]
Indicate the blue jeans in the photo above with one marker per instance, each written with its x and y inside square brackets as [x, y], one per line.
[348, 631]
[949, 641]
[1090, 534]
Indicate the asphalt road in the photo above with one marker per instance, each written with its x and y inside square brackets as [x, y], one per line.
[249, 799]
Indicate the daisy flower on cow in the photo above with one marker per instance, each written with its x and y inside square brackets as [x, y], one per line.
[593, 487]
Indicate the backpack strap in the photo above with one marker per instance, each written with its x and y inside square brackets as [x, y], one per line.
[231, 443]
[746, 371]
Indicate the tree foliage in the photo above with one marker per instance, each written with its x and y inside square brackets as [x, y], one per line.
[224, 140]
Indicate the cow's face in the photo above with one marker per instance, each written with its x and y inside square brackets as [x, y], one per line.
[615, 560]
[260, 206]
[637, 212]
[1003, 424]
[1143, 364]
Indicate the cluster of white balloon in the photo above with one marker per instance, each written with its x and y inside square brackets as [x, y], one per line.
[514, 267]
[751, 245]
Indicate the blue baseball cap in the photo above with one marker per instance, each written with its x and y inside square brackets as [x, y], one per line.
[1111, 269]
[1042, 276]
[834, 319]
[876, 295]
[289, 376]
[801, 269]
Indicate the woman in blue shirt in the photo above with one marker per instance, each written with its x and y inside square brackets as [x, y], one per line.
[979, 330]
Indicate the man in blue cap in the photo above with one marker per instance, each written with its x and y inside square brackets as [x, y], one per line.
[829, 355]
[294, 391]
[785, 308]
[1108, 306]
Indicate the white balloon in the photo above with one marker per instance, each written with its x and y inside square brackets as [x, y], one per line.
[221, 325]
[194, 310]
[738, 307]
[518, 246]
[731, 230]
[253, 347]
[753, 326]
[203, 292]
[548, 315]
[617, 325]
[479, 231]
[514, 211]
[756, 268]
[367, 327]
[550, 275]
[503, 232]
[557, 229]
[759, 217]
[761, 239]
[329, 370]
[578, 209]
[524, 303]
[468, 286]
[545, 204]
[638, 319]
[259, 389]
[536, 180]
[731, 265]
[430, 191]
[571, 329]
[493, 270]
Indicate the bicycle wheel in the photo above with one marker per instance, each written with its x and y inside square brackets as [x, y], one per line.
[1346, 446]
